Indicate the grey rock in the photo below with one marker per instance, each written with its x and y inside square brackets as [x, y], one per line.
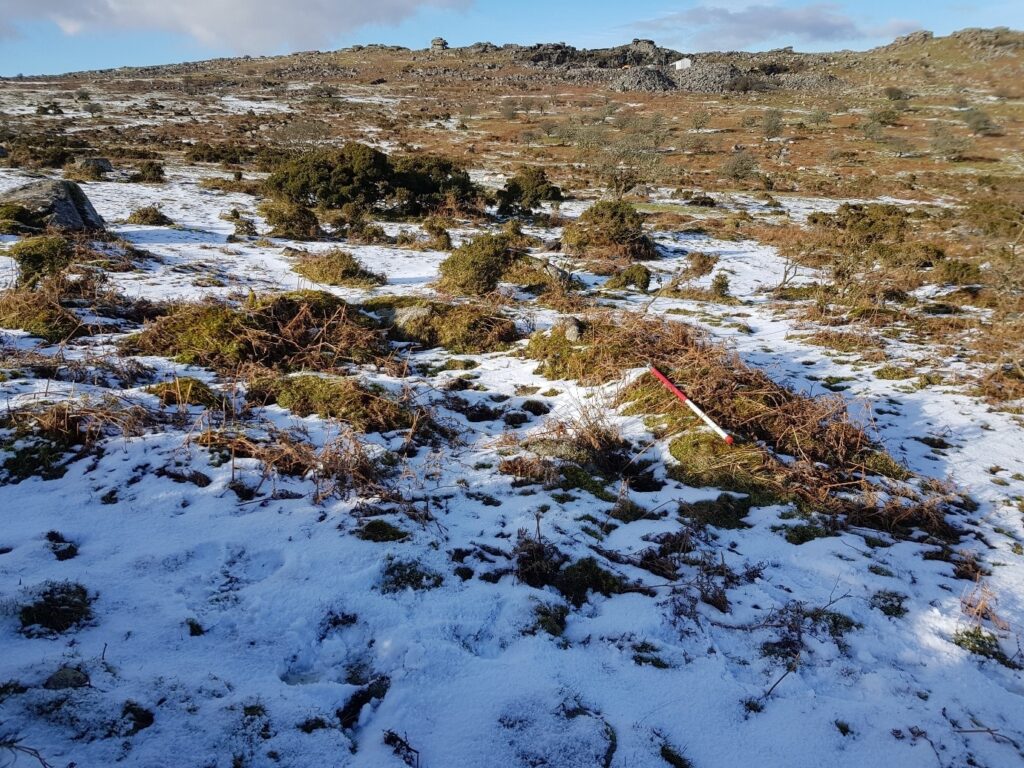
[439, 44]
[406, 317]
[572, 328]
[62, 204]
[66, 677]
[100, 164]
[550, 269]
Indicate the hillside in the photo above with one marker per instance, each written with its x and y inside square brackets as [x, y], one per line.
[331, 436]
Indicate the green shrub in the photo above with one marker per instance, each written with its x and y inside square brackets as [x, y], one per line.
[423, 182]
[980, 123]
[772, 125]
[740, 165]
[150, 216]
[636, 275]
[720, 285]
[290, 221]
[336, 267]
[40, 256]
[476, 267]
[332, 178]
[360, 175]
[610, 229]
[526, 191]
[149, 171]
[228, 154]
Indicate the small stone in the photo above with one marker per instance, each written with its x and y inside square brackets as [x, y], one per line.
[66, 677]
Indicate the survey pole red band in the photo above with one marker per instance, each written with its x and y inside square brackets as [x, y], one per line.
[690, 404]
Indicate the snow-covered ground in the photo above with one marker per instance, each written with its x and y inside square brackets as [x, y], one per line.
[298, 628]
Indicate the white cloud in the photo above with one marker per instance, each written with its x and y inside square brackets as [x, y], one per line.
[726, 24]
[246, 26]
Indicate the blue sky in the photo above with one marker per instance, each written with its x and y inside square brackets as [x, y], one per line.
[52, 36]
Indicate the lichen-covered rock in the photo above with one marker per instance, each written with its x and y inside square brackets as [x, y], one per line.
[58, 203]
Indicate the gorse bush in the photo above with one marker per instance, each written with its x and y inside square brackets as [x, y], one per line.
[475, 268]
[526, 191]
[149, 172]
[360, 175]
[332, 178]
[291, 221]
[609, 229]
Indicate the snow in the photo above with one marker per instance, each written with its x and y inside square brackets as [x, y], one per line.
[471, 683]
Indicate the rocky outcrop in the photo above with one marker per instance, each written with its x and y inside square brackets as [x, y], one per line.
[644, 79]
[59, 204]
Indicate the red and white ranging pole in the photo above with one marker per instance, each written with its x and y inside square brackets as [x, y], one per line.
[691, 405]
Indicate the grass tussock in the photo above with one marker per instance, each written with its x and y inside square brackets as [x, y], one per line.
[340, 467]
[41, 440]
[41, 314]
[41, 256]
[185, 390]
[150, 216]
[634, 276]
[336, 267]
[287, 331]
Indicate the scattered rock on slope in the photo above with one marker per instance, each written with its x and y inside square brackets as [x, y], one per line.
[61, 204]
[647, 80]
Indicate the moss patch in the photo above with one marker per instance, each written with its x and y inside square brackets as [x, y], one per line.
[705, 461]
[366, 408]
[38, 257]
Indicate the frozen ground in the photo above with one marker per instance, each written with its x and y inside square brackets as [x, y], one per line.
[298, 629]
